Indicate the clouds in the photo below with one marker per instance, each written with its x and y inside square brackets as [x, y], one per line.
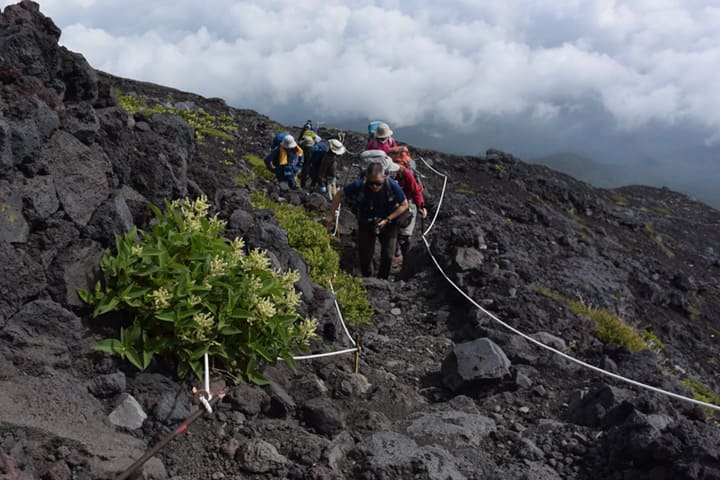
[411, 61]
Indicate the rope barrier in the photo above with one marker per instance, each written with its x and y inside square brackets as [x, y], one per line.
[356, 347]
[337, 222]
[322, 355]
[342, 320]
[536, 342]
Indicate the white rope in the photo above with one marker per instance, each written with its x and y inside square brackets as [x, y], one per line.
[347, 332]
[442, 196]
[540, 344]
[321, 355]
[342, 321]
[337, 223]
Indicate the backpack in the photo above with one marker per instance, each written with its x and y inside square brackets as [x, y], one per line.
[277, 140]
[372, 127]
[355, 204]
[412, 166]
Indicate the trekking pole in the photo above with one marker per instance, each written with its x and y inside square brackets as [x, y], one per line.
[167, 439]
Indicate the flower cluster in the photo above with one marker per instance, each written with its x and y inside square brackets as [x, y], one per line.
[307, 329]
[160, 298]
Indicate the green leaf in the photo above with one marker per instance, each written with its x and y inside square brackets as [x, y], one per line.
[264, 353]
[134, 358]
[166, 316]
[106, 306]
[109, 345]
[147, 358]
[86, 296]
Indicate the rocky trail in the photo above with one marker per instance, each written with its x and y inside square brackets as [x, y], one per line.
[442, 392]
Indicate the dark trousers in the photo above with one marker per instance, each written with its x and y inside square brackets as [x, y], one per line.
[307, 161]
[286, 174]
[366, 248]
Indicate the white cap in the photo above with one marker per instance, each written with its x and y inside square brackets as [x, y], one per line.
[288, 142]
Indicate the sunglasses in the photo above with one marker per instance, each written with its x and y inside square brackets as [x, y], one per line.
[375, 184]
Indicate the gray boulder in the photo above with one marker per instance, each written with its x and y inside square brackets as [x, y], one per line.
[21, 277]
[391, 455]
[81, 121]
[468, 363]
[323, 416]
[13, 226]
[111, 218]
[108, 385]
[128, 414]
[80, 175]
[40, 198]
[77, 266]
[249, 399]
[452, 429]
[468, 258]
[172, 408]
[550, 340]
[33, 125]
[43, 333]
[259, 456]
[602, 406]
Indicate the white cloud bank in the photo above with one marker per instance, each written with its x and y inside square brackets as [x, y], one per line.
[411, 61]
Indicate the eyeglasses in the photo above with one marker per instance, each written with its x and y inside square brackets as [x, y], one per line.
[375, 184]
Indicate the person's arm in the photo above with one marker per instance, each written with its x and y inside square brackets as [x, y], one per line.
[394, 214]
[339, 196]
[269, 160]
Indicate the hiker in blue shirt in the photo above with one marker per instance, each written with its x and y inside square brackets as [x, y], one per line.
[381, 209]
[284, 161]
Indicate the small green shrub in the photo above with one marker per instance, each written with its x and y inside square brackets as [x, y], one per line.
[130, 103]
[258, 166]
[610, 327]
[620, 201]
[701, 392]
[190, 291]
[314, 244]
[651, 339]
[549, 293]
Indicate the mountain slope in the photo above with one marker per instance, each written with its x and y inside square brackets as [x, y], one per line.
[540, 249]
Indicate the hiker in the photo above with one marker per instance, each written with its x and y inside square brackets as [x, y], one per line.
[325, 162]
[307, 143]
[380, 207]
[284, 160]
[412, 189]
[309, 129]
[382, 139]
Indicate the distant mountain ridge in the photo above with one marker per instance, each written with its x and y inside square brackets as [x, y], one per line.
[697, 184]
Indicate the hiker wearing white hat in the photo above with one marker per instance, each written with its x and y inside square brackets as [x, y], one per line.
[284, 160]
[382, 139]
[324, 165]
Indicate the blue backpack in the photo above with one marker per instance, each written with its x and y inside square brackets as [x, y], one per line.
[372, 127]
[278, 139]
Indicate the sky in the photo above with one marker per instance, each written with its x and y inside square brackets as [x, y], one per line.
[623, 82]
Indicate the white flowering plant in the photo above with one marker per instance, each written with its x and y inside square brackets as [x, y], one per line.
[190, 291]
